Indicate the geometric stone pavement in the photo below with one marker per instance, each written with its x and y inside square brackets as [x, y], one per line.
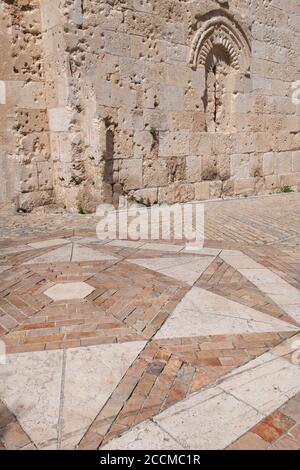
[121, 344]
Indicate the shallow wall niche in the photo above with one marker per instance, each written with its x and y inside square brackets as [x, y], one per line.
[222, 47]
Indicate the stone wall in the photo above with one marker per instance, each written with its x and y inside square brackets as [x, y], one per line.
[25, 157]
[163, 101]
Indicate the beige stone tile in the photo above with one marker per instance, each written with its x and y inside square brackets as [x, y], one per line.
[49, 243]
[183, 268]
[203, 313]
[211, 423]
[14, 250]
[69, 291]
[60, 255]
[30, 385]
[83, 253]
[163, 247]
[4, 268]
[146, 436]
[238, 260]
[91, 376]
[265, 383]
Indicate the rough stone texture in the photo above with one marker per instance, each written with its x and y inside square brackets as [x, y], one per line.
[162, 101]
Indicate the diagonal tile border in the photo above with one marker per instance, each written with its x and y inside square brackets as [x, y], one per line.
[166, 372]
[91, 376]
[217, 417]
[222, 279]
[280, 291]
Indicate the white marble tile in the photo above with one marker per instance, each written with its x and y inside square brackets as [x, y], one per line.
[163, 247]
[183, 268]
[202, 251]
[49, 243]
[126, 244]
[203, 313]
[30, 385]
[4, 268]
[260, 276]
[71, 253]
[91, 376]
[13, 250]
[146, 436]
[208, 421]
[265, 383]
[69, 291]
[239, 260]
[60, 255]
[83, 253]
[292, 310]
[291, 345]
[88, 240]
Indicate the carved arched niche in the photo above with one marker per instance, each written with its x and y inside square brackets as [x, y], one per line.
[222, 47]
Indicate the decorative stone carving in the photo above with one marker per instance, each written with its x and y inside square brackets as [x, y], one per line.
[223, 32]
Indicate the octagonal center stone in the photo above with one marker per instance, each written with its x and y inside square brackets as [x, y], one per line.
[69, 291]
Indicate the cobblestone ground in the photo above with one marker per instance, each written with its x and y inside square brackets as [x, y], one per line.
[145, 345]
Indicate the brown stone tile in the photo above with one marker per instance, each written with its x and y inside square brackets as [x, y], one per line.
[249, 441]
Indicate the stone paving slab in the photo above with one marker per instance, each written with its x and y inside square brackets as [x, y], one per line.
[167, 349]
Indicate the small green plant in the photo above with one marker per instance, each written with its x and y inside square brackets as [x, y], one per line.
[153, 132]
[144, 202]
[81, 210]
[287, 189]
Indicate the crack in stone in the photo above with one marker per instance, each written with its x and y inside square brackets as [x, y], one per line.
[60, 424]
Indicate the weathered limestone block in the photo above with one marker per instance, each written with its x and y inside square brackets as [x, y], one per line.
[45, 179]
[268, 163]
[29, 178]
[155, 172]
[290, 180]
[31, 120]
[28, 201]
[123, 144]
[117, 43]
[193, 169]
[25, 94]
[143, 144]
[171, 98]
[215, 189]
[202, 191]
[271, 182]
[131, 174]
[244, 186]
[59, 119]
[189, 120]
[283, 163]
[296, 161]
[156, 119]
[147, 196]
[174, 143]
[201, 143]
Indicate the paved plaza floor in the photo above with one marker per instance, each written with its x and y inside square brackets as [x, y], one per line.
[146, 345]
